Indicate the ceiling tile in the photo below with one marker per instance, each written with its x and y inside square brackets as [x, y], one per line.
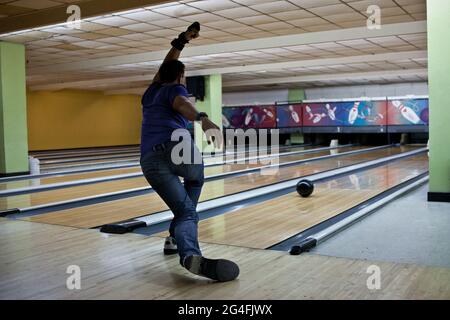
[213, 5]
[179, 10]
[274, 7]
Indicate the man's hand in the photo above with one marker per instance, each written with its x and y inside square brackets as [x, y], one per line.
[193, 32]
[213, 133]
[183, 38]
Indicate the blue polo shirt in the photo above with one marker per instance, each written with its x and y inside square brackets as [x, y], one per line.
[159, 117]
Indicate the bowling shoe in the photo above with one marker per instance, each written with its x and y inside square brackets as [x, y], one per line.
[170, 246]
[220, 270]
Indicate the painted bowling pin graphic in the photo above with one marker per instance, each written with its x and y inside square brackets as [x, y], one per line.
[318, 117]
[269, 113]
[407, 112]
[225, 122]
[376, 119]
[331, 112]
[248, 117]
[353, 115]
[379, 117]
[309, 112]
[294, 114]
[315, 117]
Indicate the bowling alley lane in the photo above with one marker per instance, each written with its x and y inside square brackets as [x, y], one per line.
[60, 178]
[124, 209]
[270, 222]
[85, 151]
[44, 197]
[61, 164]
[75, 155]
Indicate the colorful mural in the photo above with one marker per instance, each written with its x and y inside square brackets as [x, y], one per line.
[408, 112]
[289, 116]
[329, 114]
[352, 113]
[257, 117]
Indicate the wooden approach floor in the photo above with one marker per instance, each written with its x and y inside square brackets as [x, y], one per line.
[124, 209]
[34, 259]
[64, 194]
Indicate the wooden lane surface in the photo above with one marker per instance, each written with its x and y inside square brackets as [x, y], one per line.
[268, 223]
[125, 152]
[86, 161]
[66, 178]
[46, 164]
[124, 209]
[96, 174]
[39, 198]
[86, 154]
[34, 259]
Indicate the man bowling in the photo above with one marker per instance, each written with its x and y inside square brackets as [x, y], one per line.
[167, 110]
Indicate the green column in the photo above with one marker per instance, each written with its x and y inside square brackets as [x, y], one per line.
[296, 95]
[13, 112]
[212, 105]
[439, 83]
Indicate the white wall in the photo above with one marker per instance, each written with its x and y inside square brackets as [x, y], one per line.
[254, 97]
[387, 90]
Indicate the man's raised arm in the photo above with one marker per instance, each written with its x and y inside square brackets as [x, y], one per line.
[178, 44]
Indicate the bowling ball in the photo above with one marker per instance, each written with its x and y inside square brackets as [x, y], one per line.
[305, 188]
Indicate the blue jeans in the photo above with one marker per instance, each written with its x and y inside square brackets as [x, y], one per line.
[163, 175]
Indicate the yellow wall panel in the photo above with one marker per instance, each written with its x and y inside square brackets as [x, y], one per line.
[77, 119]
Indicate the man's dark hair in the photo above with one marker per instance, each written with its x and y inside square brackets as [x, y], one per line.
[171, 70]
